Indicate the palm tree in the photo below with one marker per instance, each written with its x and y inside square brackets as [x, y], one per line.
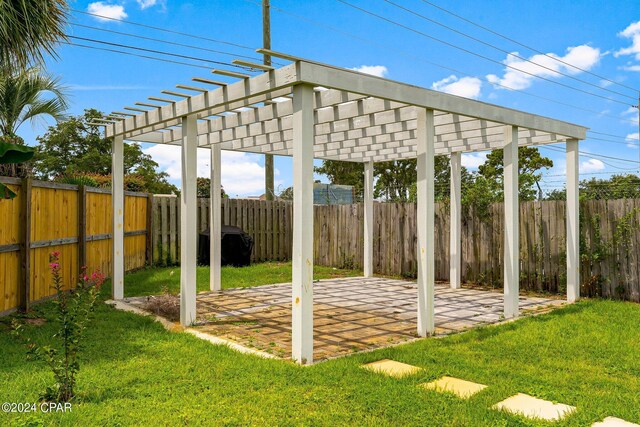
[23, 97]
[29, 29]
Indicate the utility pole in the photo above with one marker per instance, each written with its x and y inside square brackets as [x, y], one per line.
[266, 43]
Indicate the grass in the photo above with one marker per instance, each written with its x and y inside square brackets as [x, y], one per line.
[152, 281]
[136, 373]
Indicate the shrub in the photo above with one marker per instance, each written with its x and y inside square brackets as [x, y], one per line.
[73, 312]
[78, 179]
[132, 182]
[166, 305]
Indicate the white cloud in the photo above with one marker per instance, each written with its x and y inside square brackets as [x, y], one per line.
[114, 11]
[516, 77]
[468, 87]
[591, 165]
[632, 140]
[630, 68]
[631, 114]
[631, 32]
[473, 160]
[146, 3]
[374, 70]
[242, 174]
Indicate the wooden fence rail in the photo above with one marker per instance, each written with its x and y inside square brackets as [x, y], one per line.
[609, 240]
[73, 220]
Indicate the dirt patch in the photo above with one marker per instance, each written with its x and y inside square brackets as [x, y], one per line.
[36, 321]
[167, 306]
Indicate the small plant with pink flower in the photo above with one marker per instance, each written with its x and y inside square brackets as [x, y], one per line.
[73, 313]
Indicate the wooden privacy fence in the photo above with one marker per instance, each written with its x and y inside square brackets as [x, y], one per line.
[609, 240]
[73, 220]
[268, 223]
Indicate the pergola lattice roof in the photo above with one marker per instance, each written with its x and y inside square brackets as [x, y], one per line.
[358, 117]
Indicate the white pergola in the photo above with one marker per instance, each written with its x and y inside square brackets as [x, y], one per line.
[311, 110]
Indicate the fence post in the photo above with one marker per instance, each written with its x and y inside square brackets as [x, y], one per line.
[25, 252]
[149, 224]
[82, 228]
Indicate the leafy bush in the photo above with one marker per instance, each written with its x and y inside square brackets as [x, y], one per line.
[132, 182]
[73, 312]
[78, 179]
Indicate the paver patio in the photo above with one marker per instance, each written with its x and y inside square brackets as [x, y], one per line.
[350, 314]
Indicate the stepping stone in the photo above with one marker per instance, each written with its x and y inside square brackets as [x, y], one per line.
[532, 407]
[461, 388]
[614, 422]
[391, 368]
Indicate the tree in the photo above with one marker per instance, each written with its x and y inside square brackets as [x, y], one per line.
[625, 186]
[76, 148]
[343, 173]
[529, 163]
[30, 28]
[286, 194]
[27, 29]
[23, 97]
[204, 188]
[394, 180]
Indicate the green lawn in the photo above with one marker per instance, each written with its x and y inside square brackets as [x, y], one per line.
[136, 373]
[152, 281]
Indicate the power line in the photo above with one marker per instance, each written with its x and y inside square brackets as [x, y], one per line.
[607, 134]
[221, 52]
[444, 67]
[165, 30]
[524, 45]
[505, 51]
[583, 173]
[629, 142]
[592, 156]
[135, 54]
[368, 12]
[156, 51]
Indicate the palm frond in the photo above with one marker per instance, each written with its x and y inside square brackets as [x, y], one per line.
[29, 95]
[29, 29]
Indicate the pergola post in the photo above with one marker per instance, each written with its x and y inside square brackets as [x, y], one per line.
[368, 219]
[215, 220]
[511, 223]
[573, 222]
[302, 288]
[425, 137]
[188, 221]
[117, 202]
[455, 226]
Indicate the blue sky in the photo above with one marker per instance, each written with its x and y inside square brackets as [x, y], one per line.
[597, 37]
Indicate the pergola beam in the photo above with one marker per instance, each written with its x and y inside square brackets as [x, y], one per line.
[366, 84]
[259, 85]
